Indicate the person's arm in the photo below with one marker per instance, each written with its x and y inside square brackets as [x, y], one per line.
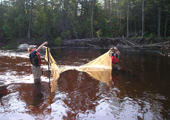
[111, 51]
[42, 46]
[118, 53]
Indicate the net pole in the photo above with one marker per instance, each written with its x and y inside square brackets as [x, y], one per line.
[49, 72]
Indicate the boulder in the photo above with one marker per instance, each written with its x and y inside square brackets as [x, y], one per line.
[23, 47]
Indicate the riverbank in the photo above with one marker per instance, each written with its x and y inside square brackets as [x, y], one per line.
[98, 43]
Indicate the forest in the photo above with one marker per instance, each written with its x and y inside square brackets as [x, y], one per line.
[81, 19]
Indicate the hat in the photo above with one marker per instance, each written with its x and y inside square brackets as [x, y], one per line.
[115, 48]
[31, 47]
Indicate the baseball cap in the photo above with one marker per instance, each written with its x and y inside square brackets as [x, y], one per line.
[115, 48]
[31, 47]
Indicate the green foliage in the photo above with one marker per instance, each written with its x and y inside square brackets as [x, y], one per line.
[11, 45]
[58, 41]
[151, 36]
[66, 34]
[72, 19]
[146, 33]
[81, 43]
[99, 33]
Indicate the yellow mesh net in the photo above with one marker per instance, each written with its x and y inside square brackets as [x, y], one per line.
[99, 68]
[102, 62]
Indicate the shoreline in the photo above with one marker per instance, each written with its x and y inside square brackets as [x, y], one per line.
[95, 43]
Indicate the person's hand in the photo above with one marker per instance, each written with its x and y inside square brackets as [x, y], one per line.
[45, 43]
[44, 47]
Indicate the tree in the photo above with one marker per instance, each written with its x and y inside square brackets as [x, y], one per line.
[117, 12]
[92, 19]
[127, 35]
[44, 19]
[143, 20]
[30, 21]
[1, 19]
[159, 18]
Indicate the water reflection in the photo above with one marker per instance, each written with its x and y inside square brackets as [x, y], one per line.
[140, 90]
[115, 78]
[102, 75]
[79, 98]
[53, 86]
[88, 92]
[37, 96]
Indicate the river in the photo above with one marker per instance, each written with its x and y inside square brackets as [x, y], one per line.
[139, 90]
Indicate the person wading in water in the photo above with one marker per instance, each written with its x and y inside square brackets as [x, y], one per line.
[35, 59]
[115, 58]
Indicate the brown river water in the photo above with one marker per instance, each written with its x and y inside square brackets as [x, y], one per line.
[138, 91]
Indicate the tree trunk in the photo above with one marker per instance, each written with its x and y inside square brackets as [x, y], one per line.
[128, 21]
[23, 6]
[45, 3]
[166, 24]
[117, 12]
[159, 19]
[109, 9]
[92, 21]
[135, 25]
[85, 10]
[73, 26]
[110, 19]
[143, 20]
[120, 20]
[82, 7]
[29, 27]
[44, 32]
[75, 12]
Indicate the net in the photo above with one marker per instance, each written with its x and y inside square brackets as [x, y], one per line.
[102, 62]
[99, 68]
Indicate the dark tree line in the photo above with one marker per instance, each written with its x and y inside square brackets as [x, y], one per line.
[77, 19]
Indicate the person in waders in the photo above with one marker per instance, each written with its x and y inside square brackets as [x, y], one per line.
[35, 59]
[115, 58]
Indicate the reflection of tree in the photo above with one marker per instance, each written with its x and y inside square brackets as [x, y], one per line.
[3, 92]
[33, 95]
[97, 74]
[84, 93]
[81, 88]
[96, 69]
[81, 96]
[143, 109]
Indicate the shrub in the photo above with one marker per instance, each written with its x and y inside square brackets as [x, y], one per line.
[151, 36]
[58, 41]
[11, 45]
[66, 34]
[99, 33]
